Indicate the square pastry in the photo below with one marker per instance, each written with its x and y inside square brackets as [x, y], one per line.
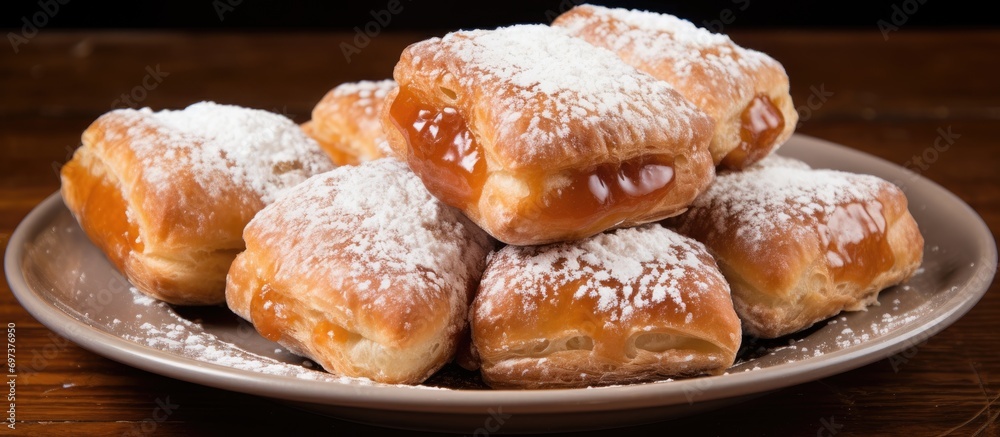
[166, 194]
[367, 286]
[799, 245]
[541, 137]
[626, 306]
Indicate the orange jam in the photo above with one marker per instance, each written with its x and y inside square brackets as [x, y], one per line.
[762, 122]
[103, 215]
[332, 334]
[271, 313]
[856, 245]
[585, 202]
[442, 150]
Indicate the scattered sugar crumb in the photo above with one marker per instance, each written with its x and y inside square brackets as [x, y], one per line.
[139, 298]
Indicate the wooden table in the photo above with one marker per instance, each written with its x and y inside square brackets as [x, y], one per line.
[886, 98]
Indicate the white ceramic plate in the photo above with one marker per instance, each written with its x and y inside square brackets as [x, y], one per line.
[68, 285]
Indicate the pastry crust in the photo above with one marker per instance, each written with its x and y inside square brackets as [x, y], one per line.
[631, 305]
[800, 245]
[346, 122]
[544, 109]
[710, 70]
[166, 194]
[367, 286]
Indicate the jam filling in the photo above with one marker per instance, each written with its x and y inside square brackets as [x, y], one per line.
[446, 156]
[104, 214]
[442, 150]
[855, 240]
[585, 202]
[762, 122]
[270, 314]
[332, 334]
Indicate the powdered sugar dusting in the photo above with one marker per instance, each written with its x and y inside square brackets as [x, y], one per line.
[348, 235]
[537, 81]
[676, 31]
[140, 298]
[354, 107]
[222, 145]
[779, 197]
[369, 94]
[624, 271]
[663, 44]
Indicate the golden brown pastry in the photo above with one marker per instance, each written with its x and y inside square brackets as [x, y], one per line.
[374, 286]
[346, 122]
[631, 305]
[540, 137]
[745, 91]
[800, 245]
[166, 194]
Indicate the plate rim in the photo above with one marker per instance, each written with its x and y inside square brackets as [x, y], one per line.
[433, 400]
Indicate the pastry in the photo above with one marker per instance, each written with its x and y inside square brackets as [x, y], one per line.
[631, 305]
[346, 122]
[166, 194]
[367, 286]
[745, 91]
[541, 137]
[799, 245]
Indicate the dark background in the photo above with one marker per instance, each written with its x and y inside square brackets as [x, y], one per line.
[422, 15]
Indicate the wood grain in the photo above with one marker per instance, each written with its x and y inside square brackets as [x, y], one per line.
[888, 99]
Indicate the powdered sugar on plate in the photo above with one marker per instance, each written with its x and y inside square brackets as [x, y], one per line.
[180, 336]
[191, 341]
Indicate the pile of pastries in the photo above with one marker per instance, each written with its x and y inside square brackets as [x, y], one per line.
[588, 203]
